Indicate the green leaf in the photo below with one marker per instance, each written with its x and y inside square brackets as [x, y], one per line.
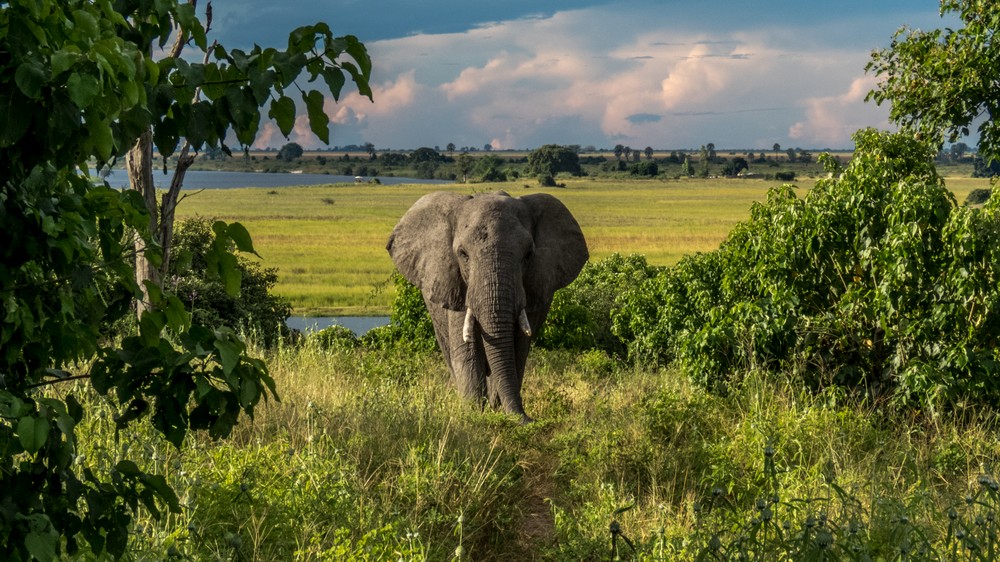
[283, 112]
[229, 270]
[335, 80]
[15, 118]
[42, 546]
[30, 77]
[82, 89]
[249, 394]
[319, 121]
[241, 236]
[32, 432]
[229, 349]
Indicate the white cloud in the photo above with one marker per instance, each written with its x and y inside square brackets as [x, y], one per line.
[830, 119]
[577, 77]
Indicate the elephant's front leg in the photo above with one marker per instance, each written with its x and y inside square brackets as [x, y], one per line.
[468, 359]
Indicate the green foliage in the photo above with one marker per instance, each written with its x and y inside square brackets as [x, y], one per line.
[876, 279]
[334, 338]
[410, 326]
[80, 85]
[647, 168]
[290, 151]
[253, 309]
[933, 94]
[552, 159]
[580, 316]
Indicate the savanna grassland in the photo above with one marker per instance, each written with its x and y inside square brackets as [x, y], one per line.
[370, 455]
[328, 242]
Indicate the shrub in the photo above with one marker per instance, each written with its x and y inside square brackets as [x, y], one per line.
[876, 279]
[334, 338]
[647, 168]
[410, 326]
[580, 316]
[978, 196]
[254, 309]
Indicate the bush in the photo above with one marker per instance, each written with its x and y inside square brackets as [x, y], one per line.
[254, 309]
[978, 196]
[580, 316]
[334, 338]
[875, 280]
[410, 326]
[646, 168]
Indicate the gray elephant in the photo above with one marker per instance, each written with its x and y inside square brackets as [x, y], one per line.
[487, 266]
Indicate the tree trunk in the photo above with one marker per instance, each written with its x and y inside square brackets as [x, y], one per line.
[139, 163]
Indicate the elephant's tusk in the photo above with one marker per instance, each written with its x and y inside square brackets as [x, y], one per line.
[525, 325]
[467, 328]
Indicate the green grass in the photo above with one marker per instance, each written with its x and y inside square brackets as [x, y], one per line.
[372, 456]
[328, 242]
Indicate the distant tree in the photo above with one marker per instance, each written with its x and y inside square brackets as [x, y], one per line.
[451, 147]
[776, 148]
[958, 151]
[791, 155]
[465, 165]
[290, 152]
[425, 154]
[552, 159]
[488, 147]
[735, 166]
[488, 169]
[370, 149]
[627, 153]
[649, 152]
[983, 170]
[703, 162]
[619, 150]
[686, 170]
[711, 152]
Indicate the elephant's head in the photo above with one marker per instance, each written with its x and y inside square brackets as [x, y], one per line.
[489, 263]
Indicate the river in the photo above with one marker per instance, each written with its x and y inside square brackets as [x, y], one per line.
[205, 179]
[357, 324]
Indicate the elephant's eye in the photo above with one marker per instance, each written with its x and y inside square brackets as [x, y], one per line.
[463, 255]
[529, 255]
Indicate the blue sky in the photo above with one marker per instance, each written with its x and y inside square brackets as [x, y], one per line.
[518, 74]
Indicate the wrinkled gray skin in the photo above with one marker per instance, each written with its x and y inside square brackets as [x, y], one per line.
[479, 261]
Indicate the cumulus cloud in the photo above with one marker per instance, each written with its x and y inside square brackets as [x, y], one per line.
[565, 78]
[831, 119]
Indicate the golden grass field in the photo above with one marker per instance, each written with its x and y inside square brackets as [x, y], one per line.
[328, 242]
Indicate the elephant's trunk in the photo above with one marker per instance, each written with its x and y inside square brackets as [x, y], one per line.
[500, 315]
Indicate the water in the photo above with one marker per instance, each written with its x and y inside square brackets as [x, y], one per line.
[205, 179]
[357, 324]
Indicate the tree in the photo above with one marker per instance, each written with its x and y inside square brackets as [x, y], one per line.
[649, 152]
[370, 149]
[465, 165]
[451, 147]
[619, 150]
[425, 154]
[551, 159]
[80, 86]
[958, 151]
[290, 152]
[938, 83]
[776, 148]
[686, 170]
[203, 102]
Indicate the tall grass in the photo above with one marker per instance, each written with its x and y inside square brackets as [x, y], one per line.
[372, 456]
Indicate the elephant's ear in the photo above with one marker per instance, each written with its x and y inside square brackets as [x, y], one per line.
[560, 249]
[420, 246]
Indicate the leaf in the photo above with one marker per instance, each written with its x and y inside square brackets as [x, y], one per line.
[319, 121]
[229, 353]
[15, 118]
[30, 77]
[283, 112]
[42, 545]
[32, 432]
[249, 394]
[241, 236]
[82, 89]
[335, 80]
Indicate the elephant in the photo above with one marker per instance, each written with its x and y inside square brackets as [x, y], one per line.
[487, 266]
